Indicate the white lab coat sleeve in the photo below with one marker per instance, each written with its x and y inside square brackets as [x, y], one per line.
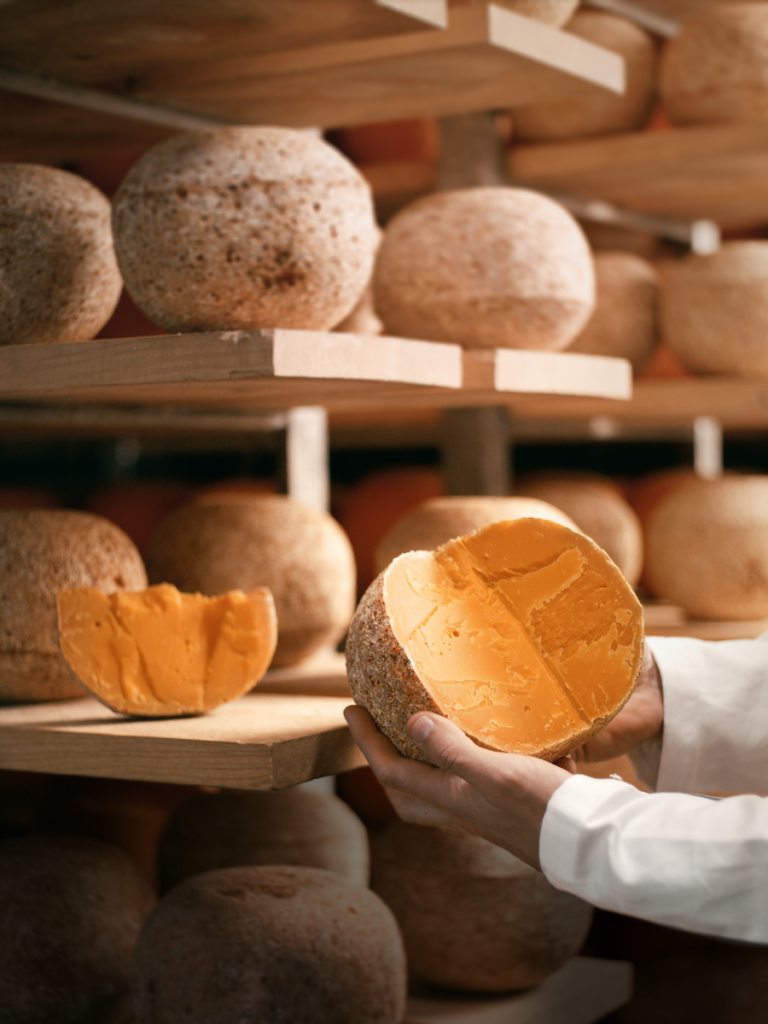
[673, 857]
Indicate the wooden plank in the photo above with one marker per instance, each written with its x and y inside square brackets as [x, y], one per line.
[583, 991]
[663, 619]
[323, 675]
[487, 57]
[262, 741]
[561, 373]
[715, 172]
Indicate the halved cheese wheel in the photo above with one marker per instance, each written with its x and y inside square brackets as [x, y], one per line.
[524, 634]
[159, 652]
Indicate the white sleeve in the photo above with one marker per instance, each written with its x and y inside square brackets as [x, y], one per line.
[715, 737]
[684, 861]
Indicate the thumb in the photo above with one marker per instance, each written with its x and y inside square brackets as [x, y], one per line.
[444, 744]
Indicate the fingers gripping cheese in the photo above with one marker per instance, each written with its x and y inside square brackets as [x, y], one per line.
[524, 634]
[160, 652]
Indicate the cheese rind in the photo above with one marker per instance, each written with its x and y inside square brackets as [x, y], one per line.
[523, 633]
[161, 652]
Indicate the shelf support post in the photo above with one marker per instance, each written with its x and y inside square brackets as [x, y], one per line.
[304, 458]
[476, 455]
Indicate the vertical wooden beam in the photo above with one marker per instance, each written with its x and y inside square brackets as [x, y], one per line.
[476, 453]
[303, 457]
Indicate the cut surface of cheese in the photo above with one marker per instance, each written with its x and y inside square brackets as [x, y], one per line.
[160, 652]
[523, 633]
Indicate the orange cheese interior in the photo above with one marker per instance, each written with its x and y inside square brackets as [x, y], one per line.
[524, 633]
[160, 652]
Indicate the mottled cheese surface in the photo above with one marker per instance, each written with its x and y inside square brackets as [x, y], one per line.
[523, 633]
[162, 652]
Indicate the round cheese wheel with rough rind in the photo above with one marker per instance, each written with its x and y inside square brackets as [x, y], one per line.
[438, 520]
[244, 228]
[607, 113]
[707, 548]
[287, 826]
[714, 310]
[716, 68]
[275, 943]
[473, 916]
[159, 652]
[43, 551]
[59, 279]
[72, 910]
[524, 634]
[625, 323]
[244, 541]
[485, 268]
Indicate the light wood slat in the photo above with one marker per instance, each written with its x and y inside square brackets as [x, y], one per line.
[488, 57]
[324, 675]
[717, 172]
[583, 991]
[670, 620]
[561, 373]
[262, 741]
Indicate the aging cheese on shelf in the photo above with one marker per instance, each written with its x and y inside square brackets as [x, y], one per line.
[473, 916]
[485, 268]
[608, 112]
[243, 228]
[276, 944]
[161, 652]
[60, 280]
[523, 633]
[716, 69]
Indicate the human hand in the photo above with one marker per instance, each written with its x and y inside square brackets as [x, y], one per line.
[501, 797]
[640, 719]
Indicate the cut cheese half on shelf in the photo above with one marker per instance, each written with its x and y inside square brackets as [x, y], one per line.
[524, 634]
[159, 652]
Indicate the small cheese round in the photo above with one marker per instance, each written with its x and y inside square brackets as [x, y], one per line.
[242, 542]
[43, 551]
[707, 548]
[277, 943]
[607, 113]
[287, 826]
[625, 323]
[473, 916]
[59, 279]
[551, 12]
[714, 310]
[438, 520]
[71, 912]
[244, 228]
[599, 510]
[716, 68]
[485, 268]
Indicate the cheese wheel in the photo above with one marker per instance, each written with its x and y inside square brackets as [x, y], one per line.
[246, 541]
[438, 520]
[485, 268]
[714, 310]
[707, 548]
[59, 279]
[551, 12]
[599, 510]
[237, 829]
[158, 652]
[716, 69]
[244, 228]
[473, 916]
[523, 633]
[625, 323]
[41, 552]
[72, 910]
[608, 112]
[275, 943]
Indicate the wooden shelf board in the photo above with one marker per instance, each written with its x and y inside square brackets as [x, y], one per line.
[282, 368]
[262, 741]
[323, 675]
[313, 63]
[713, 172]
[669, 620]
[583, 991]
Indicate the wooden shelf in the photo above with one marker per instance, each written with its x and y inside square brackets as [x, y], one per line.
[713, 172]
[280, 368]
[262, 741]
[669, 620]
[584, 990]
[318, 63]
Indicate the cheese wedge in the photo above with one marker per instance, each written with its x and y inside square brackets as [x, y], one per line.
[158, 652]
[524, 633]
